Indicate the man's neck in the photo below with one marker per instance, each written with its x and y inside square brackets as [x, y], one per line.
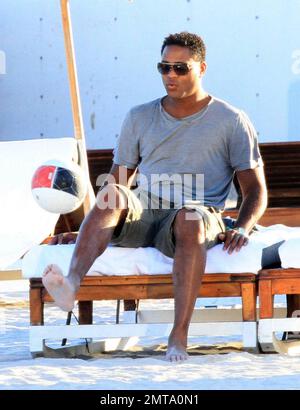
[183, 107]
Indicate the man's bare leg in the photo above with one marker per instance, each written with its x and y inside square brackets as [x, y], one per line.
[94, 236]
[189, 265]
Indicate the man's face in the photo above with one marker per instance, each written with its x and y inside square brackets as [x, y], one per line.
[181, 86]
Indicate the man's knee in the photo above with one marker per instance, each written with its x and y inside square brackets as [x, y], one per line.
[111, 196]
[189, 226]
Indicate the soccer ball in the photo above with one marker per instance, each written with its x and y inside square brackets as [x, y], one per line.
[59, 187]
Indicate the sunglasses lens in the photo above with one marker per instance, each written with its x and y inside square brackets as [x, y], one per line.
[163, 68]
[180, 69]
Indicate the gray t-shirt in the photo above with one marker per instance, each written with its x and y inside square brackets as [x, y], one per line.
[213, 143]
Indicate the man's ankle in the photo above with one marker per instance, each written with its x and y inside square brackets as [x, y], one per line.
[74, 282]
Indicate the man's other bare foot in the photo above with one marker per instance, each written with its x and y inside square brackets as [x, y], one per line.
[59, 287]
[176, 352]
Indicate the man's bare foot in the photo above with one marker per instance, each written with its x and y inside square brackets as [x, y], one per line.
[59, 287]
[176, 352]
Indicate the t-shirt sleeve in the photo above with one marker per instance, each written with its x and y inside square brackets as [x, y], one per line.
[243, 146]
[126, 152]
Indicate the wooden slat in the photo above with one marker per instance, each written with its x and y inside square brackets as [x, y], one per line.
[151, 287]
[220, 290]
[165, 278]
[281, 164]
[286, 286]
[272, 216]
[153, 279]
[119, 292]
[126, 280]
[100, 162]
[282, 173]
[266, 274]
[157, 291]
[285, 216]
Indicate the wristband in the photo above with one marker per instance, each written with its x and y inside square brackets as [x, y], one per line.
[240, 230]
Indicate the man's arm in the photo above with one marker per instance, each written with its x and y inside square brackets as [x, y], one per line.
[254, 193]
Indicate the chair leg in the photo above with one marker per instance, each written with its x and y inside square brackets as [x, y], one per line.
[130, 305]
[249, 301]
[293, 304]
[36, 306]
[130, 314]
[266, 300]
[85, 309]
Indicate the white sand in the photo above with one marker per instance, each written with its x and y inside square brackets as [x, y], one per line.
[237, 370]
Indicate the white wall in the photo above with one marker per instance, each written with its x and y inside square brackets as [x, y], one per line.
[253, 54]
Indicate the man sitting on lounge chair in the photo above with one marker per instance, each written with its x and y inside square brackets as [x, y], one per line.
[181, 137]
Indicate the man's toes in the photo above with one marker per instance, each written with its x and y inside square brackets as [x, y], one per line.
[46, 271]
[56, 270]
[176, 354]
[177, 358]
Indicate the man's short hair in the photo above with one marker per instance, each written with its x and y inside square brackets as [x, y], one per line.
[189, 40]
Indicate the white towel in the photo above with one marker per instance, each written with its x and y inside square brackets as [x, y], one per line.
[131, 261]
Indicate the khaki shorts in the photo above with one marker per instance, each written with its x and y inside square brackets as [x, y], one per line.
[154, 227]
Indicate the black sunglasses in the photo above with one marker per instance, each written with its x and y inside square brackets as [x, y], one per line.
[179, 68]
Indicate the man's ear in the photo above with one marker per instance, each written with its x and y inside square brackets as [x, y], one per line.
[203, 67]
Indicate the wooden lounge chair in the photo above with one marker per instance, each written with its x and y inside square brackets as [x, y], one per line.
[280, 160]
[135, 288]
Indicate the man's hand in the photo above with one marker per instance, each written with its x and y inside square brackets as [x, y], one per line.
[64, 238]
[254, 192]
[233, 240]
